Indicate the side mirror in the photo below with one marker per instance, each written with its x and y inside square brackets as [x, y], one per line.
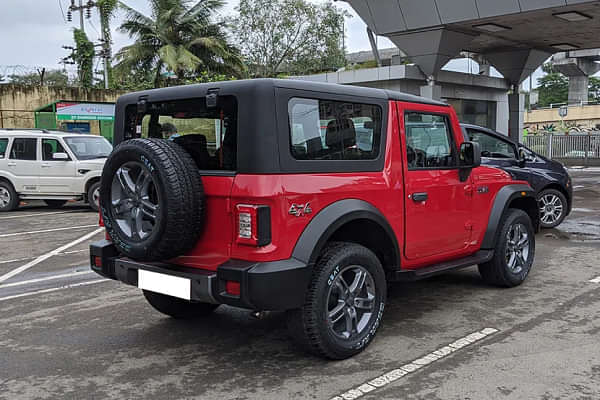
[60, 156]
[469, 158]
[522, 158]
[470, 155]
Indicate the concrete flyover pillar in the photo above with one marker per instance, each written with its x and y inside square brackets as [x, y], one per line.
[431, 90]
[516, 66]
[577, 66]
[516, 108]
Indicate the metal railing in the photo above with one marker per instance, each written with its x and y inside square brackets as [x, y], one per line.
[583, 149]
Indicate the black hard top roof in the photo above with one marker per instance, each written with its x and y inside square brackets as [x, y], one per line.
[245, 84]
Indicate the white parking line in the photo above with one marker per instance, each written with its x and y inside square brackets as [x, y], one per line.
[54, 289]
[31, 258]
[46, 256]
[48, 278]
[40, 214]
[47, 230]
[406, 369]
[595, 280]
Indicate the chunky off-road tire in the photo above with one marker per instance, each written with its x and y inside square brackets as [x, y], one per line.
[514, 251]
[93, 196]
[55, 203]
[9, 200]
[178, 308]
[553, 208]
[151, 199]
[335, 273]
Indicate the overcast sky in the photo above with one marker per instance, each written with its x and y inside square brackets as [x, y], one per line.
[33, 31]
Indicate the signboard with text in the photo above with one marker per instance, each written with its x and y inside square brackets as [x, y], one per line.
[85, 111]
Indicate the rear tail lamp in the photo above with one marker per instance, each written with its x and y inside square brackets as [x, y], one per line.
[254, 225]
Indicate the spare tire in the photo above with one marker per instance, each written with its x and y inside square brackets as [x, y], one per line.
[151, 199]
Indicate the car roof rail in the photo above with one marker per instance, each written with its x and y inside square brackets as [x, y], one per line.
[26, 130]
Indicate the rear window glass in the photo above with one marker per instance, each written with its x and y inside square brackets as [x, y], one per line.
[334, 130]
[209, 134]
[3, 145]
[24, 149]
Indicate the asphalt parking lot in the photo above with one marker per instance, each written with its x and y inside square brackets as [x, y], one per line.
[67, 333]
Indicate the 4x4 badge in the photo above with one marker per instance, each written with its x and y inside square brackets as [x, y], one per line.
[300, 210]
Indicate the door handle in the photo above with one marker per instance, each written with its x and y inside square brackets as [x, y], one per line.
[418, 197]
[45, 165]
[12, 164]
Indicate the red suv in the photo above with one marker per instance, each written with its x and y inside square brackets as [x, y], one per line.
[301, 197]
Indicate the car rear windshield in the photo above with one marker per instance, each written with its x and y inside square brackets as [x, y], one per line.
[208, 133]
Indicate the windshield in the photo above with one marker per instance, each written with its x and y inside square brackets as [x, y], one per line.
[89, 147]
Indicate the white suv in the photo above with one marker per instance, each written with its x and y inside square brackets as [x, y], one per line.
[50, 166]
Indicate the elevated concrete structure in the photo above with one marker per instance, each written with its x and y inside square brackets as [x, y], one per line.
[578, 66]
[515, 36]
[455, 87]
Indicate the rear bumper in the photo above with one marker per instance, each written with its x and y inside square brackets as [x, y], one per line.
[276, 285]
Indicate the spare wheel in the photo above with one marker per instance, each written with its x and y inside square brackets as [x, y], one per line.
[151, 199]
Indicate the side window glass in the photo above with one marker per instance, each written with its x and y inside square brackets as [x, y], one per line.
[492, 147]
[3, 145]
[24, 149]
[49, 147]
[334, 130]
[429, 141]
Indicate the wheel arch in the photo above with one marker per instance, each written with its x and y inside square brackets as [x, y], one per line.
[91, 181]
[511, 196]
[349, 220]
[7, 180]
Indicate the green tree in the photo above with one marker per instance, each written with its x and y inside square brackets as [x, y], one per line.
[594, 93]
[51, 78]
[83, 55]
[179, 38]
[289, 36]
[553, 88]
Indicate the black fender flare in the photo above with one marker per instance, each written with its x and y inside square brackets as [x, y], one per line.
[330, 219]
[501, 202]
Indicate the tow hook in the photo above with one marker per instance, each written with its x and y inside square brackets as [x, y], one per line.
[259, 314]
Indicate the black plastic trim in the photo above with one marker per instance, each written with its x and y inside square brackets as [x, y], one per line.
[273, 286]
[263, 227]
[327, 221]
[422, 273]
[503, 198]
[107, 252]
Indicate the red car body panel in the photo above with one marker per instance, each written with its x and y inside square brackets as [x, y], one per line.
[464, 207]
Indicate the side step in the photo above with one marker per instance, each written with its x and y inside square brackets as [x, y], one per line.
[415, 274]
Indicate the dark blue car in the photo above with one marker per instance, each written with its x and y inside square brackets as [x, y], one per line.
[548, 178]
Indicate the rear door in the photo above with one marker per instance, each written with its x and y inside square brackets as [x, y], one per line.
[437, 204]
[56, 176]
[23, 164]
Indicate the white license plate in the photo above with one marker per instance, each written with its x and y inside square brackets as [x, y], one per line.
[165, 284]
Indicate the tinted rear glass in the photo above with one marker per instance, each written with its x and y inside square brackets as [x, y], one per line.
[3, 145]
[334, 130]
[209, 134]
[23, 149]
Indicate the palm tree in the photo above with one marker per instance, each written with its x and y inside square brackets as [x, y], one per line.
[177, 37]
